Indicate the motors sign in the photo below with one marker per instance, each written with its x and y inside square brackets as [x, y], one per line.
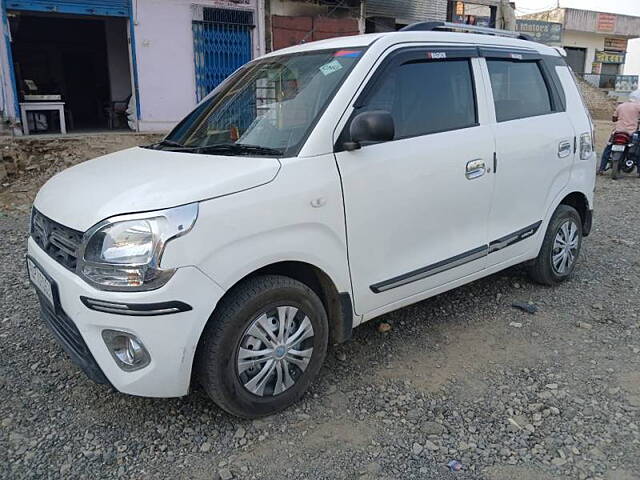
[543, 32]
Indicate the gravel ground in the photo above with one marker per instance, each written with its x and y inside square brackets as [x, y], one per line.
[463, 376]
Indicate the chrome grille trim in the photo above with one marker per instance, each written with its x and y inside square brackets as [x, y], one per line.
[61, 243]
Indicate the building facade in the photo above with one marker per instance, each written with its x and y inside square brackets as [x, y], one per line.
[116, 64]
[142, 64]
[389, 15]
[291, 22]
[596, 44]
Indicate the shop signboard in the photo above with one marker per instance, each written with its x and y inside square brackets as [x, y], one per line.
[543, 32]
[606, 22]
[610, 57]
[619, 44]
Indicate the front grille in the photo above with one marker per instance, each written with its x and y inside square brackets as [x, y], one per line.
[60, 242]
[71, 340]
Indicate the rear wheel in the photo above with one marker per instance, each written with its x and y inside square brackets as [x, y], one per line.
[263, 346]
[615, 167]
[560, 248]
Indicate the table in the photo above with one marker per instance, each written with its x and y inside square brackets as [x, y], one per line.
[38, 107]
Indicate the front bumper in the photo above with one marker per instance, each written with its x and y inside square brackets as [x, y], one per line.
[171, 339]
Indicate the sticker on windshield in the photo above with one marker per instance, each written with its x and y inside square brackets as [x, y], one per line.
[347, 53]
[329, 68]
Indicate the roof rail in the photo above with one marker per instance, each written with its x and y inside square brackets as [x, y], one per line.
[431, 26]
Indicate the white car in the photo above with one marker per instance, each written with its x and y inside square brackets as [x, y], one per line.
[318, 187]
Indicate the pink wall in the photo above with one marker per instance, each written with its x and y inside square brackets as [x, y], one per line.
[164, 50]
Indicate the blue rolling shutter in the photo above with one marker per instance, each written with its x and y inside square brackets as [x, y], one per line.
[117, 8]
[221, 44]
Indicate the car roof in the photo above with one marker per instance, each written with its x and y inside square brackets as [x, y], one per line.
[439, 37]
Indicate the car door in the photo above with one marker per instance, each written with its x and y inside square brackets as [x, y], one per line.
[416, 207]
[535, 148]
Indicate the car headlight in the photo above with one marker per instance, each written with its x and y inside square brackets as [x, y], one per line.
[124, 252]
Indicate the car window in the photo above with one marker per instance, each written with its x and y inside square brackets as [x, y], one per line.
[519, 89]
[426, 97]
[271, 103]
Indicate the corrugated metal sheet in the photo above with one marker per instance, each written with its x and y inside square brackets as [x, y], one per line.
[118, 8]
[407, 10]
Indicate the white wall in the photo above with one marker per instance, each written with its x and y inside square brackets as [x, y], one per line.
[632, 65]
[593, 42]
[165, 64]
[118, 58]
[590, 41]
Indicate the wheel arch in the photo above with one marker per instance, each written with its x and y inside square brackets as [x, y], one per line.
[579, 201]
[338, 305]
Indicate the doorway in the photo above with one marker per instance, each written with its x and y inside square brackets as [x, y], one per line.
[608, 75]
[576, 58]
[82, 61]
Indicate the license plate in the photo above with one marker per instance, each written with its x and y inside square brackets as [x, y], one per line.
[618, 148]
[40, 280]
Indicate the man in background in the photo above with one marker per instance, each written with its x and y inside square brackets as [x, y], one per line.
[626, 120]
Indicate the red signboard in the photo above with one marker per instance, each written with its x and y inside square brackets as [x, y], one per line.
[606, 22]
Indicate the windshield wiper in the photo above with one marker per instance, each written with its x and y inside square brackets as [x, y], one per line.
[164, 143]
[234, 148]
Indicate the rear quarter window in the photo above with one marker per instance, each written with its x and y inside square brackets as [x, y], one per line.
[519, 89]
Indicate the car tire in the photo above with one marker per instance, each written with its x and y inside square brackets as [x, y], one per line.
[555, 262]
[248, 319]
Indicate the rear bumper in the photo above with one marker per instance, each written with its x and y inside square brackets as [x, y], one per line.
[171, 339]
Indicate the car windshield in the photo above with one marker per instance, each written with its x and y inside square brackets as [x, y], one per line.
[268, 107]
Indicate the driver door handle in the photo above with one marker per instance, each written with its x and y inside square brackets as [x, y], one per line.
[475, 169]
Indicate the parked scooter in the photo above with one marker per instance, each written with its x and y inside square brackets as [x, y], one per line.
[625, 150]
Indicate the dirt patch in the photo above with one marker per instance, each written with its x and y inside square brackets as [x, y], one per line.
[472, 353]
[27, 163]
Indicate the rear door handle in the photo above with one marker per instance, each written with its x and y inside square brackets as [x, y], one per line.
[564, 149]
[475, 169]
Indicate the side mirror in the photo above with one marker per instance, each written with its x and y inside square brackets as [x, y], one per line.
[370, 127]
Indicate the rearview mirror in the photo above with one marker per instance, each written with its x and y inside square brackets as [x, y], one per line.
[370, 127]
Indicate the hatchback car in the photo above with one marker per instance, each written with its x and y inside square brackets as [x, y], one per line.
[317, 188]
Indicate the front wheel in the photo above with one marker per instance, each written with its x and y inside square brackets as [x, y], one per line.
[263, 346]
[560, 248]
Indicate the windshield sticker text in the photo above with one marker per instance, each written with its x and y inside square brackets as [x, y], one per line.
[436, 55]
[329, 68]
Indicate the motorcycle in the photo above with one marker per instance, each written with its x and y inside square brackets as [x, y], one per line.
[625, 150]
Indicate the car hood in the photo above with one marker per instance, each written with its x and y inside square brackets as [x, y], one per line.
[141, 179]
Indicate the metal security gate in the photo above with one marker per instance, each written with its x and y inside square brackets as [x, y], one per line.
[221, 44]
[117, 8]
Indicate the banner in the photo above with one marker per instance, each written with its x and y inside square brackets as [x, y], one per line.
[626, 83]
